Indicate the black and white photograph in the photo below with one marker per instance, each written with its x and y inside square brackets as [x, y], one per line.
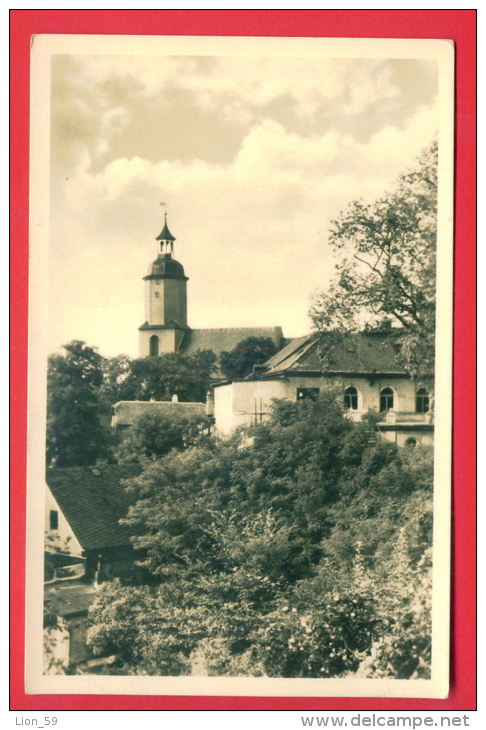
[240, 366]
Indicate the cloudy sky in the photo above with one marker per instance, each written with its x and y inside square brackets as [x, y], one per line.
[253, 157]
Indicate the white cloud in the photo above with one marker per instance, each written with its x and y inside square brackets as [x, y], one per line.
[251, 234]
[235, 85]
[112, 123]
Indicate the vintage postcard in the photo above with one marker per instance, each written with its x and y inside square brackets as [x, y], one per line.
[240, 322]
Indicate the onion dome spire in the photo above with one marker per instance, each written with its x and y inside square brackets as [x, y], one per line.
[165, 238]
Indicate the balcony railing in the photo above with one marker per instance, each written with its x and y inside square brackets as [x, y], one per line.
[403, 417]
[395, 417]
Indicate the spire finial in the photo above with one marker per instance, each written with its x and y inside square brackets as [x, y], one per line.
[165, 238]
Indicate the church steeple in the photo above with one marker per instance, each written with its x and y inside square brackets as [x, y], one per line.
[165, 238]
[165, 300]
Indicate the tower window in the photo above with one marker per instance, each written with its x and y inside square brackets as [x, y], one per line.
[154, 346]
[157, 295]
[386, 399]
[351, 398]
[53, 519]
[422, 401]
[411, 443]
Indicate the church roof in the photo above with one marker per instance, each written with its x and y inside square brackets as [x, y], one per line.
[126, 412]
[226, 338]
[165, 266]
[93, 500]
[370, 352]
[165, 234]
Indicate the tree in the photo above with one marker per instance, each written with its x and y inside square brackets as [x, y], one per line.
[118, 382]
[403, 648]
[75, 435]
[239, 363]
[291, 471]
[159, 378]
[386, 273]
[83, 385]
[273, 552]
[153, 435]
[146, 634]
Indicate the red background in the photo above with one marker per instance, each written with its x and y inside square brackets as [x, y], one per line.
[458, 25]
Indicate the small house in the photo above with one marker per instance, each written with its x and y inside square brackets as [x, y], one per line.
[93, 500]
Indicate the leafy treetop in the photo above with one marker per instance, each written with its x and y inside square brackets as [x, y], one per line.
[159, 378]
[239, 362]
[386, 273]
[82, 386]
[154, 435]
[75, 433]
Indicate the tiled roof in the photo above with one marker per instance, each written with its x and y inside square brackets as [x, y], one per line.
[359, 353]
[127, 411]
[295, 355]
[225, 339]
[92, 500]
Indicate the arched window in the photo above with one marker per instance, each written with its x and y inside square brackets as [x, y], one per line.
[351, 398]
[411, 443]
[422, 401]
[386, 399]
[154, 346]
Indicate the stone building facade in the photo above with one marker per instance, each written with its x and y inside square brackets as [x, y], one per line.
[364, 370]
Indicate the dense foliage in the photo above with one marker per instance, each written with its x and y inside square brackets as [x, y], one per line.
[297, 548]
[159, 378]
[75, 433]
[82, 385]
[155, 434]
[385, 275]
[239, 363]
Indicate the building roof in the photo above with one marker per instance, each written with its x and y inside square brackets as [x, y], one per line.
[165, 234]
[373, 352]
[93, 500]
[126, 412]
[225, 339]
[295, 352]
[171, 325]
[166, 267]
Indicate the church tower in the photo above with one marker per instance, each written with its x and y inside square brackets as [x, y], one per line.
[165, 301]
